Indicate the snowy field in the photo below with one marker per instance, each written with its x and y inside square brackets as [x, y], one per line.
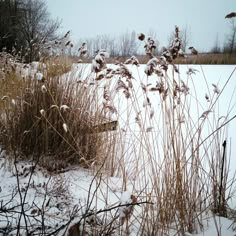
[61, 198]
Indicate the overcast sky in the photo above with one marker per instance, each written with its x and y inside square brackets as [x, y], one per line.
[89, 18]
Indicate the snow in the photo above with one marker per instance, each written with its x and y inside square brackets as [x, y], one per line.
[63, 192]
[124, 199]
[39, 76]
[59, 195]
[216, 225]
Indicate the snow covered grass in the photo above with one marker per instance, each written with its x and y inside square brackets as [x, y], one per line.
[165, 170]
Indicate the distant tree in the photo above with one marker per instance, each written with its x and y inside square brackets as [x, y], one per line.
[127, 44]
[216, 47]
[124, 45]
[106, 42]
[112, 48]
[230, 43]
[185, 36]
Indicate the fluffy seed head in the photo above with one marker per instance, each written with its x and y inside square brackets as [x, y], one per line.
[65, 127]
[42, 112]
[43, 89]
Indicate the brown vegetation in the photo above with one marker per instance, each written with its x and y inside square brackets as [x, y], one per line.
[51, 119]
[200, 59]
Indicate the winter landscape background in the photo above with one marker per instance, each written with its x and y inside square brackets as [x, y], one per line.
[117, 133]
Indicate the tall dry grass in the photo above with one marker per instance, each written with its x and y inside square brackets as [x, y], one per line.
[52, 118]
[165, 154]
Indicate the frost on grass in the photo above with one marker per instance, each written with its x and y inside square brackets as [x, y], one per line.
[123, 71]
[166, 58]
[133, 60]
[64, 107]
[99, 62]
[125, 212]
[150, 46]
[151, 66]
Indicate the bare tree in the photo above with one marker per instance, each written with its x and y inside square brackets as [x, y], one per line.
[128, 44]
[216, 47]
[106, 42]
[125, 45]
[185, 36]
[112, 46]
[34, 27]
[24, 24]
[230, 44]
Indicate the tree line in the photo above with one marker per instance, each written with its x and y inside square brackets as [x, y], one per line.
[26, 26]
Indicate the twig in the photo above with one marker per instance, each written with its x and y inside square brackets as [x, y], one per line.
[221, 179]
[117, 206]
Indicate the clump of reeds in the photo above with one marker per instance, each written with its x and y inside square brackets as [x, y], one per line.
[52, 119]
[168, 150]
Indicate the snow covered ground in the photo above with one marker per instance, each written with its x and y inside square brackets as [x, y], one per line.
[56, 199]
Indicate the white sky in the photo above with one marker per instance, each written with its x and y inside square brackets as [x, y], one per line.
[89, 18]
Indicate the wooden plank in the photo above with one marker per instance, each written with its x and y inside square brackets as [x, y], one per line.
[108, 126]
